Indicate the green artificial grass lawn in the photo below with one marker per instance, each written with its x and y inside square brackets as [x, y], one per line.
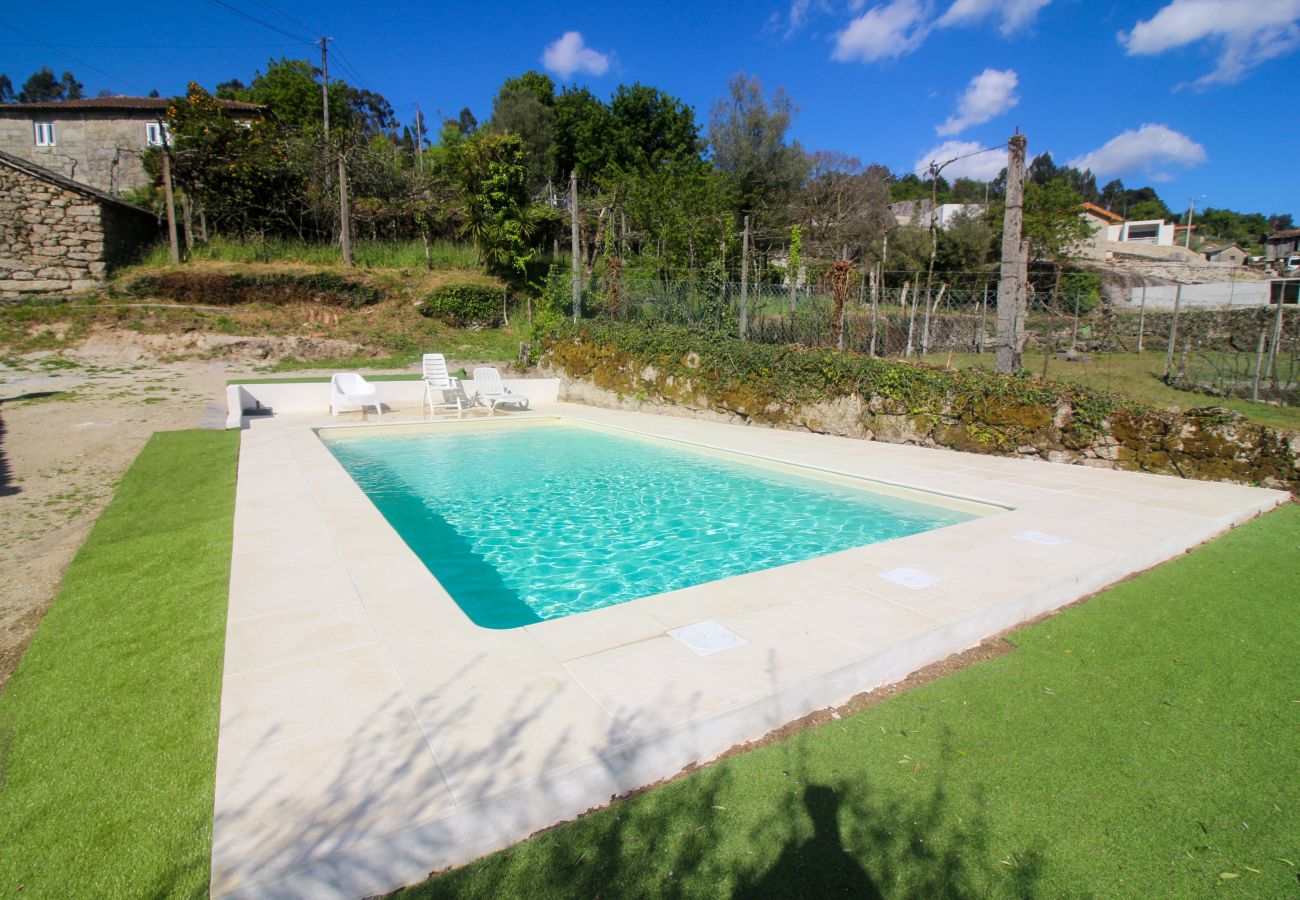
[108, 729]
[1141, 744]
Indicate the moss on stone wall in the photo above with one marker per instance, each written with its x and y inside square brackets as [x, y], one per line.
[971, 410]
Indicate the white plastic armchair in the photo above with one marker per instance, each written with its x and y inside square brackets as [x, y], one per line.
[489, 391]
[350, 389]
[437, 378]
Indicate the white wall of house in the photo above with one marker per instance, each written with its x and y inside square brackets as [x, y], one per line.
[1145, 231]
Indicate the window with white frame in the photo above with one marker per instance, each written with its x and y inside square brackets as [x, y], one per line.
[156, 133]
[44, 134]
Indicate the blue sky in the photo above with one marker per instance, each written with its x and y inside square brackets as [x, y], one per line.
[1194, 96]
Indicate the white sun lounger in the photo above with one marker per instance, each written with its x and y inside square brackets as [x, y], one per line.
[437, 378]
[350, 389]
[490, 392]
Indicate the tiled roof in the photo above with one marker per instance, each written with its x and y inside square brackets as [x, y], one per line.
[124, 103]
[1103, 212]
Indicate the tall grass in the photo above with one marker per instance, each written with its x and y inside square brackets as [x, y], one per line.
[370, 254]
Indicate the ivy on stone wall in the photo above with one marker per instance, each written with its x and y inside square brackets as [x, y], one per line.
[861, 396]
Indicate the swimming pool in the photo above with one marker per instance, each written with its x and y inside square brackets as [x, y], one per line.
[536, 520]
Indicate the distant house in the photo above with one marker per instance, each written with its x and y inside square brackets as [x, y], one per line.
[62, 236]
[97, 141]
[918, 212]
[1226, 253]
[1100, 220]
[1281, 244]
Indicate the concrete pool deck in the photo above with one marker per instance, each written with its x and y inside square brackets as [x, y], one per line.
[370, 733]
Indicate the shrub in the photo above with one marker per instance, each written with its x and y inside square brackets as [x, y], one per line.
[221, 289]
[466, 305]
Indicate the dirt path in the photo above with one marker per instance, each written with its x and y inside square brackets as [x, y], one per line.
[71, 423]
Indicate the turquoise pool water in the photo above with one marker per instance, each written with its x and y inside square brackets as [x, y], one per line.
[527, 522]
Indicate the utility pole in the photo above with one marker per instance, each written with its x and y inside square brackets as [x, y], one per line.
[573, 244]
[171, 200]
[1173, 333]
[325, 82]
[419, 140]
[1191, 214]
[1011, 283]
[345, 215]
[744, 283]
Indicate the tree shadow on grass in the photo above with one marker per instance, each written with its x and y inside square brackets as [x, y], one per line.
[709, 835]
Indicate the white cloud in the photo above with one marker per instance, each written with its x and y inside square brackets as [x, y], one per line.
[1152, 150]
[1249, 32]
[1013, 14]
[570, 54]
[980, 166]
[990, 93]
[884, 32]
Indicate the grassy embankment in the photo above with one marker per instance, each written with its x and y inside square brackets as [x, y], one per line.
[389, 334]
[108, 728]
[1132, 375]
[1141, 745]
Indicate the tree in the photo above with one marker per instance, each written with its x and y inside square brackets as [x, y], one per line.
[291, 89]
[1054, 223]
[42, 87]
[466, 122]
[525, 106]
[747, 135]
[493, 176]
[247, 179]
[648, 129]
[6, 89]
[581, 125]
[842, 205]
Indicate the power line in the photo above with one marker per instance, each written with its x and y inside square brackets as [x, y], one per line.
[265, 24]
[77, 60]
[347, 65]
[157, 46]
[283, 15]
[926, 168]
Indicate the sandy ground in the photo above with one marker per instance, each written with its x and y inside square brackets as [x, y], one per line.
[71, 423]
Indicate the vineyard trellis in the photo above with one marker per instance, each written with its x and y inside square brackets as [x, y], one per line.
[1253, 353]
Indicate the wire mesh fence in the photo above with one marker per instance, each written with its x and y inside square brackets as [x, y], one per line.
[1250, 353]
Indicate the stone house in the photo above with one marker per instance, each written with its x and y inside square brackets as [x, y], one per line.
[99, 141]
[1233, 253]
[61, 236]
[1281, 244]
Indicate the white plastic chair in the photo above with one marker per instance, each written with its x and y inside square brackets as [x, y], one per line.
[489, 391]
[437, 378]
[350, 389]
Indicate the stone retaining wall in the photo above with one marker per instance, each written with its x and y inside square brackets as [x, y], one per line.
[1207, 444]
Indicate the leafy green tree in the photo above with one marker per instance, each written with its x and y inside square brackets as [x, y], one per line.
[43, 86]
[649, 129]
[525, 106]
[291, 89]
[1053, 223]
[466, 122]
[6, 89]
[247, 179]
[680, 212]
[493, 176]
[747, 134]
[579, 145]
